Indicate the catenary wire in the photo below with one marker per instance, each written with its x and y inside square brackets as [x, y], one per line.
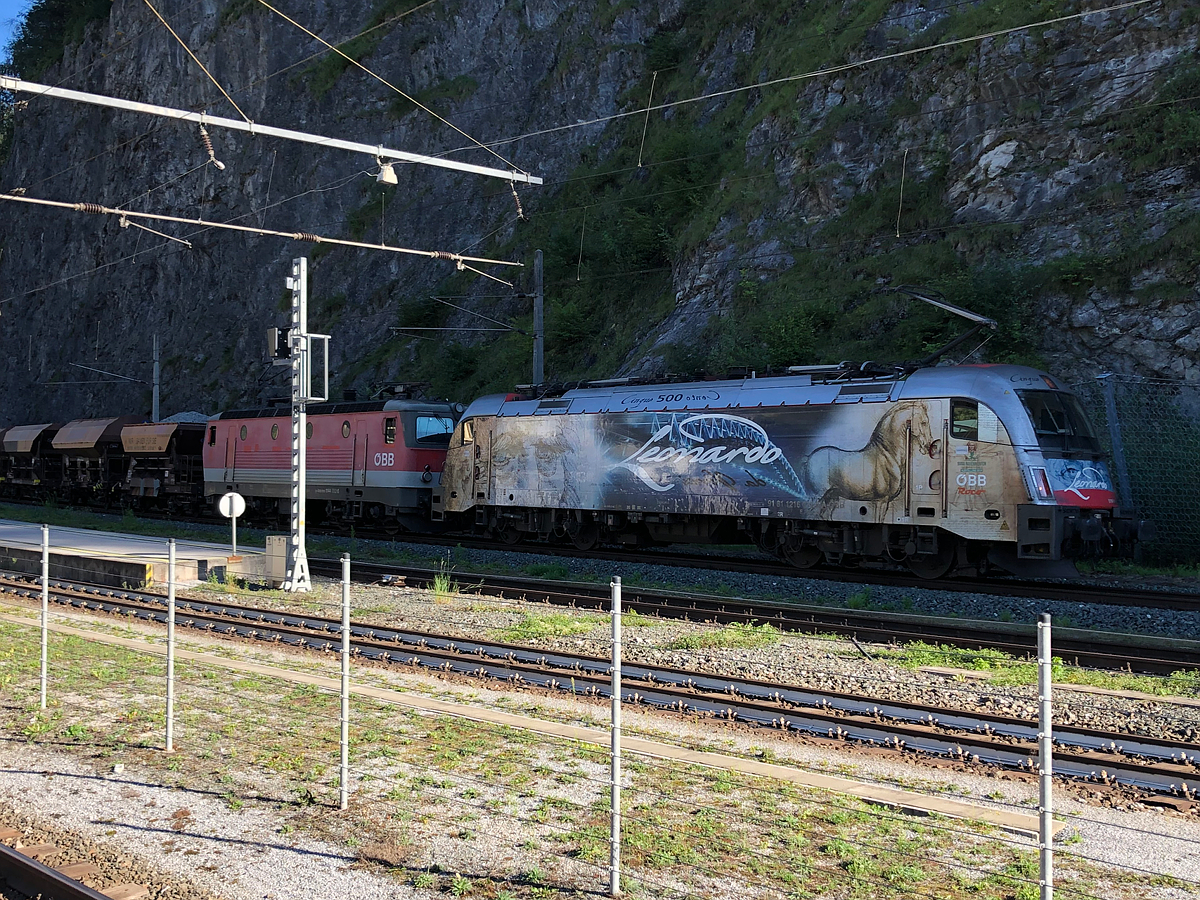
[588, 176]
[196, 60]
[832, 70]
[413, 100]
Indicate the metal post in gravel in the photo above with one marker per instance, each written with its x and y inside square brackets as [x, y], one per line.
[171, 645]
[345, 794]
[614, 881]
[1045, 764]
[45, 605]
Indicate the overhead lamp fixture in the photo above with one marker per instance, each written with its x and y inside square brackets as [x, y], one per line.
[387, 173]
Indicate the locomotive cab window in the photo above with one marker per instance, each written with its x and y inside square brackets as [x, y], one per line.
[964, 420]
[212, 435]
[1059, 421]
[434, 431]
[389, 430]
[466, 435]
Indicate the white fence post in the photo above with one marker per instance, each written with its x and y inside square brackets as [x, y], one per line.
[45, 605]
[614, 882]
[171, 646]
[1045, 764]
[345, 794]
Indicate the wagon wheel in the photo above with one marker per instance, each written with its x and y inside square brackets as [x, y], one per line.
[933, 565]
[586, 536]
[804, 556]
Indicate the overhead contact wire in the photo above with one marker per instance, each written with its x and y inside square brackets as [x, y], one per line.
[196, 60]
[97, 209]
[413, 100]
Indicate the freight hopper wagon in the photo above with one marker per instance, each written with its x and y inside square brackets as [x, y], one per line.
[30, 469]
[939, 469]
[165, 467]
[374, 463]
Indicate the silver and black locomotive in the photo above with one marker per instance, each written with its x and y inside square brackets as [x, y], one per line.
[964, 468]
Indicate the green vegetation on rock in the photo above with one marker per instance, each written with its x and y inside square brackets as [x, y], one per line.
[47, 29]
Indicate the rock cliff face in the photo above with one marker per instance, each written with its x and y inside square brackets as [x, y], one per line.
[750, 227]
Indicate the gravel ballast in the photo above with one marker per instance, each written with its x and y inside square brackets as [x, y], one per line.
[252, 851]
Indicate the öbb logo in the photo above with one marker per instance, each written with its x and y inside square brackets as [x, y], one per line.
[971, 484]
[385, 459]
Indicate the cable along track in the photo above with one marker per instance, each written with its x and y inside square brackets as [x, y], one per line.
[1081, 753]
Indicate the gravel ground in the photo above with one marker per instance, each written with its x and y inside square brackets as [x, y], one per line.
[818, 663]
[184, 844]
[251, 852]
[925, 601]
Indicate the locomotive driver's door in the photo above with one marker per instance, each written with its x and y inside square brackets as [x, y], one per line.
[483, 464]
[458, 477]
[925, 486]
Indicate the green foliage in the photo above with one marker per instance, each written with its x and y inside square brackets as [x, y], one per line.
[551, 571]
[48, 28]
[546, 626]
[324, 73]
[235, 9]
[371, 215]
[438, 97]
[1168, 131]
[647, 197]
[734, 636]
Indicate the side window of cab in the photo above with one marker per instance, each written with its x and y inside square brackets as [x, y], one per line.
[964, 420]
[464, 434]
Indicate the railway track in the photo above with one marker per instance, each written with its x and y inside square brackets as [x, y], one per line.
[23, 869]
[1082, 753]
[1111, 650]
[1085, 591]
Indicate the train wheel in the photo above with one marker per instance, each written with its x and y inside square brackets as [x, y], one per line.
[586, 536]
[933, 565]
[391, 527]
[803, 557]
[509, 535]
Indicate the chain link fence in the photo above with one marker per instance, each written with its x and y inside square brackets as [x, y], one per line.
[1151, 431]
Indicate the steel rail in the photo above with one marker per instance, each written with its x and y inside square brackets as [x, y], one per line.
[1083, 753]
[1114, 650]
[31, 877]
[1085, 591]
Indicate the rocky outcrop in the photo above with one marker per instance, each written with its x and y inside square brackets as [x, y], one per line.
[1013, 132]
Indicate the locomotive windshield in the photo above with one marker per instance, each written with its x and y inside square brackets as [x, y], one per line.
[434, 431]
[1059, 421]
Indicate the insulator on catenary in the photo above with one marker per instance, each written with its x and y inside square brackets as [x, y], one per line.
[208, 145]
[305, 236]
[517, 200]
[442, 254]
[90, 208]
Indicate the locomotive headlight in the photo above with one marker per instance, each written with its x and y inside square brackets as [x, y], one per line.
[1041, 483]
